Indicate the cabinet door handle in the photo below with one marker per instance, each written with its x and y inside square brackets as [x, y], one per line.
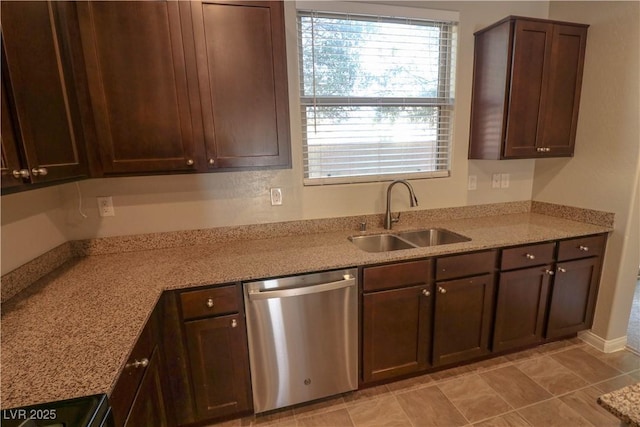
[442, 290]
[234, 323]
[210, 303]
[583, 248]
[530, 256]
[190, 162]
[20, 174]
[39, 171]
[142, 363]
[540, 149]
[426, 293]
[562, 270]
[212, 162]
[549, 272]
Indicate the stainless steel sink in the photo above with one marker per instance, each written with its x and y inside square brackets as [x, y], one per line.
[432, 237]
[407, 240]
[380, 243]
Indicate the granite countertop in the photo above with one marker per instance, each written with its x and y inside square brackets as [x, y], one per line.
[624, 404]
[70, 333]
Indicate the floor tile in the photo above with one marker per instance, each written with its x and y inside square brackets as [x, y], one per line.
[585, 365]
[616, 383]
[514, 386]
[278, 417]
[319, 407]
[622, 360]
[554, 346]
[522, 355]
[551, 375]
[448, 374]
[474, 398]
[338, 418]
[385, 411]
[584, 402]
[365, 394]
[512, 419]
[635, 374]
[552, 413]
[430, 407]
[410, 384]
[486, 365]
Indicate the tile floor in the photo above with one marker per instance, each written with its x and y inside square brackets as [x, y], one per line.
[553, 385]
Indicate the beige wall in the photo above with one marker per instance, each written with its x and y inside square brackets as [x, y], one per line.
[164, 203]
[604, 172]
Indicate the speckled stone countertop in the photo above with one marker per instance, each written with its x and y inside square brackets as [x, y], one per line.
[624, 404]
[70, 333]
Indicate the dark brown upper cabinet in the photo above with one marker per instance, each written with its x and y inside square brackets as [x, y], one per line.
[241, 66]
[42, 139]
[137, 81]
[526, 89]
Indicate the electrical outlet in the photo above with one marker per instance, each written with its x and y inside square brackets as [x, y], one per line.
[473, 182]
[276, 196]
[504, 180]
[105, 206]
[495, 180]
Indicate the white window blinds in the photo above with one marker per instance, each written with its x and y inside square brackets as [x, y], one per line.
[376, 95]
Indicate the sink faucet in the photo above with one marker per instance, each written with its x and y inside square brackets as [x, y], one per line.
[388, 219]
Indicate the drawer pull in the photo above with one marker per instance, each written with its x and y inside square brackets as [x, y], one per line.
[426, 293]
[142, 363]
[530, 256]
[210, 303]
[20, 174]
[583, 248]
[234, 323]
[549, 272]
[562, 270]
[442, 290]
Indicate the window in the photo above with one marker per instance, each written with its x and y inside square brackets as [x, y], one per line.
[376, 95]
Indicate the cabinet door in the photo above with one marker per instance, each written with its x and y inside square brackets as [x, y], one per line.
[43, 95]
[10, 159]
[530, 63]
[462, 319]
[573, 297]
[521, 307]
[243, 82]
[148, 407]
[563, 90]
[396, 336]
[138, 86]
[219, 361]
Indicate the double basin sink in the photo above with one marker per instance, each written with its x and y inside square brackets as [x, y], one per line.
[407, 240]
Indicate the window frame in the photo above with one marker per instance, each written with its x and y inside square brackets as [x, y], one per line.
[445, 102]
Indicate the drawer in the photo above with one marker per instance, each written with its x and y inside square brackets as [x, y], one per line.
[210, 302]
[527, 256]
[397, 275]
[582, 247]
[465, 265]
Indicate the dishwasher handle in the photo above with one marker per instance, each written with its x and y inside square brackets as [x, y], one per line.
[259, 294]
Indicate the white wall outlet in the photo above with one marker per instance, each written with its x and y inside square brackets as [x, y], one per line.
[504, 180]
[473, 182]
[276, 197]
[496, 180]
[105, 206]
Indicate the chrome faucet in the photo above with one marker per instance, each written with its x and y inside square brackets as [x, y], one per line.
[388, 219]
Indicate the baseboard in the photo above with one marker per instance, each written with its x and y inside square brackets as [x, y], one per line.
[605, 346]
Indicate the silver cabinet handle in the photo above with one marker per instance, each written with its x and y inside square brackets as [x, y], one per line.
[442, 290]
[212, 162]
[39, 171]
[426, 293]
[547, 149]
[190, 162]
[583, 248]
[19, 174]
[142, 363]
[234, 323]
[540, 149]
[549, 272]
[259, 294]
[210, 303]
[562, 270]
[530, 256]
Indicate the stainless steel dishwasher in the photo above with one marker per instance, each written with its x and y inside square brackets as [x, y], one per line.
[303, 337]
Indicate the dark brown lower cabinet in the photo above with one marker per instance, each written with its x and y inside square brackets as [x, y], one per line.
[219, 361]
[573, 296]
[521, 307]
[396, 332]
[462, 319]
[148, 408]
